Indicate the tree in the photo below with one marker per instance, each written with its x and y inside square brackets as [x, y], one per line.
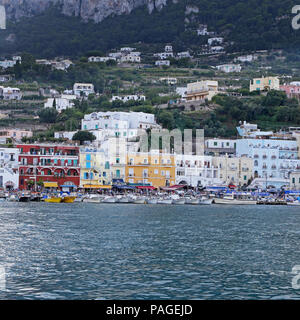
[83, 136]
[48, 115]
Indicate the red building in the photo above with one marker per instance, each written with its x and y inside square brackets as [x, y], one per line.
[55, 165]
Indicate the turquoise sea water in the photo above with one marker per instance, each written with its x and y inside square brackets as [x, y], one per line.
[124, 251]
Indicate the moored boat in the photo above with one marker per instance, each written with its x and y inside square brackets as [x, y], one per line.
[152, 200]
[53, 200]
[164, 201]
[192, 201]
[68, 199]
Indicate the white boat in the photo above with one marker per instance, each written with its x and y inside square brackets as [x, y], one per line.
[124, 199]
[178, 201]
[92, 199]
[152, 200]
[205, 201]
[139, 200]
[192, 201]
[294, 203]
[109, 200]
[165, 201]
[233, 201]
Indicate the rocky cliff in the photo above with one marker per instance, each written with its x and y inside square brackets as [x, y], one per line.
[95, 10]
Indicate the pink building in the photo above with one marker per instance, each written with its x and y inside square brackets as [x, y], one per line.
[15, 134]
[292, 90]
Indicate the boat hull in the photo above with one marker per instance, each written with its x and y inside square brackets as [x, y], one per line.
[234, 201]
[68, 199]
[53, 200]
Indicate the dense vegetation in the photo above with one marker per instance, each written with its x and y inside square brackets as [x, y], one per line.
[250, 25]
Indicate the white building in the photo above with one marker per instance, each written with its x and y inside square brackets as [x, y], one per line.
[101, 59]
[220, 146]
[133, 97]
[127, 49]
[169, 80]
[64, 102]
[9, 174]
[246, 58]
[118, 120]
[8, 93]
[184, 54]
[215, 40]
[274, 159]
[202, 31]
[85, 89]
[131, 58]
[168, 48]
[162, 63]
[164, 55]
[196, 171]
[227, 68]
[7, 63]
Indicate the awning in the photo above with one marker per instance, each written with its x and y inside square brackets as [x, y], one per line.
[146, 187]
[96, 186]
[50, 185]
[68, 186]
[124, 187]
[173, 188]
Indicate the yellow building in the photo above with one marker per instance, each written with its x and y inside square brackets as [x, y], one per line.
[264, 83]
[234, 170]
[154, 168]
[94, 169]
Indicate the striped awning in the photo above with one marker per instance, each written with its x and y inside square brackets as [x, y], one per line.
[50, 185]
[96, 186]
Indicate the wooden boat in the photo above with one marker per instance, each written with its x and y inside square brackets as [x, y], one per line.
[54, 200]
[68, 199]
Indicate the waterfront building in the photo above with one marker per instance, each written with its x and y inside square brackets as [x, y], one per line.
[201, 90]
[264, 83]
[273, 158]
[50, 165]
[196, 171]
[94, 168]
[9, 173]
[234, 170]
[294, 180]
[155, 169]
[220, 146]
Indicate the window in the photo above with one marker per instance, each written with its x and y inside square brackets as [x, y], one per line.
[294, 180]
[88, 157]
[155, 171]
[88, 165]
[215, 143]
[162, 172]
[86, 176]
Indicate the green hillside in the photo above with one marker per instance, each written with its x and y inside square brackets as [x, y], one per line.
[250, 25]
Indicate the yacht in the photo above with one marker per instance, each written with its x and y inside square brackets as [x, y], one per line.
[231, 199]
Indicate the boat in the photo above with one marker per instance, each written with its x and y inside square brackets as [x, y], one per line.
[152, 200]
[24, 198]
[109, 200]
[165, 201]
[92, 199]
[124, 200]
[231, 200]
[139, 200]
[205, 201]
[178, 201]
[12, 198]
[53, 200]
[192, 201]
[294, 203]
[69, 199]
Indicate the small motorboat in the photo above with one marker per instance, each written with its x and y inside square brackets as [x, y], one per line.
[53, 200]
[124, 199]
[92, 199]
[68, 199]
[24, 198]
[12, 198]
